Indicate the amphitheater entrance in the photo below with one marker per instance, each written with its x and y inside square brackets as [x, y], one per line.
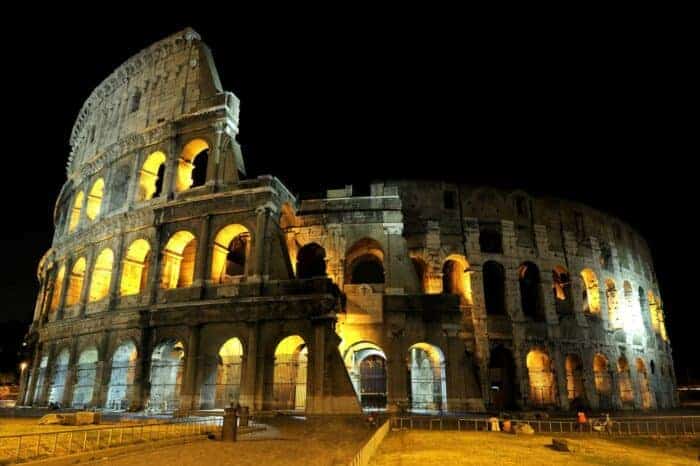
[574, 380]
[643, 379]
[58, 377]
[289, 377]
[121, 378]
[166, 376]
[366, 365]
[222, 385]
[625, 382]
[603, 381]
[85, 377]
[428, 387]
[502, 389]
[542, 386]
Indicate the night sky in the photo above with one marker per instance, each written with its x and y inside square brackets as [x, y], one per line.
[580, 112]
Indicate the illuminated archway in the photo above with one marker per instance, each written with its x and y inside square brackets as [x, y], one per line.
[591, 292]
[542, 386]
[135, 268]
[502, 387]
[574, 377]
[57, 287]
[311, 261]
[289, 378]
[101, 275]
[58, 377]
[644, 389]
[531, 291]
[603, 381]
[611, 297]
[193, 161]
[94, 201]
[75, 211]
[121, 380]
[151, 176]
[75, 282]
[222, 384]
[455, 278]
[365, 262]
[166, 376]
[178, 260]
[85, 377]
[561, 287]
[366, 365]
[428, 389]
[625, 381]
[230, 253]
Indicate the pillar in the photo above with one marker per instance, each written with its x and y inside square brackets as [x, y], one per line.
[249, 370]
[117, 267]
[203, 246]
[397, 371]
[189, 391]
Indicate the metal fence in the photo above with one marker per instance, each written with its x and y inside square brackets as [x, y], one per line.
[60, 443]
[676, 425]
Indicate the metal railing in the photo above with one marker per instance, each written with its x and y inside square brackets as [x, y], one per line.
[676, 425]
[33, 446]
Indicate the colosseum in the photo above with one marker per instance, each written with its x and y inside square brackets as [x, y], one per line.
[174, 282]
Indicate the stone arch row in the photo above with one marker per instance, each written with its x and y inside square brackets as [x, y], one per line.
[190, 172]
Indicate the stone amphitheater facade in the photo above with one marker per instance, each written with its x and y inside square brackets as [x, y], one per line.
[174, 282]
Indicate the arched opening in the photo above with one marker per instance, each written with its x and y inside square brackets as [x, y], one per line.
[101, 275]
[289, 378]
[611, 298]
[192, 166]
[494, 288]
[420, 268]
[135, 268]
[574, 379]
[151, 176]
[503, 389]
[94, 201]
[166, 376]
[366, 365]
[57, 287]
[653, 311]
[85, 377]
[75, 282]
[121, 379]
[58, 377]
[222, 385]
[365, 263]
[428, 388]
[603, 381]
[625, 381]
[455, 279]
[531, 291]
[542, 386]
[178, 260]
[229, 253]
[644, 388]
[75, 211]
[561, 288]
[40, 379]
[591, 292]
[311, 261]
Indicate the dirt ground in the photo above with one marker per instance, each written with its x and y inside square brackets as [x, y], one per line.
[427, 448]
[288, 442]
[16, 426]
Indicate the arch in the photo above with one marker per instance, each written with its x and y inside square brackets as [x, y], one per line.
[151, 176]
[502, 380]
[531, 291]
[75, 211]
[85, 378]
[420, 267]
[75, 282]
[653, 311]
[167, 364]
[494, 276]
[229, 254]
[455, 278]
[625, 381]
[365, 262]
[591, 292]
[101, 275]
[57, 288]
[574, 378]
[289, 375]
[311, 261]
[542, 385]
[561, 288]
[94, 200]
[40, 379]
[428, 389]
[366, 365]
[179, 257]
[222, 384]
[193, 161]
[644, 389]
[603, 381]
[58, 377]
[135, 268]
[121, 380]
[612, 302]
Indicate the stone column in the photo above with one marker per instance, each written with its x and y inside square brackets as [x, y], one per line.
[135, 180]
[249, 370]
[103, 373]
[171, 164]
[87, 279]
[261, 244]
[316, 371]
[117, 267]
[455, 370]
[142, 371]
[71, 375]
[64, 290]
[397, 370]
[28, 394]
[203, 248]
[214, 163]
[48, 376]
[153, 281]
[550, 308]
[589, 377]
[188, 393]
[559, 361]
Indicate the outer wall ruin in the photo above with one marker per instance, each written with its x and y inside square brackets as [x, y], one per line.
[175, 283]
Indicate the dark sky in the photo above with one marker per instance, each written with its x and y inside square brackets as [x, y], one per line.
[580, 112]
